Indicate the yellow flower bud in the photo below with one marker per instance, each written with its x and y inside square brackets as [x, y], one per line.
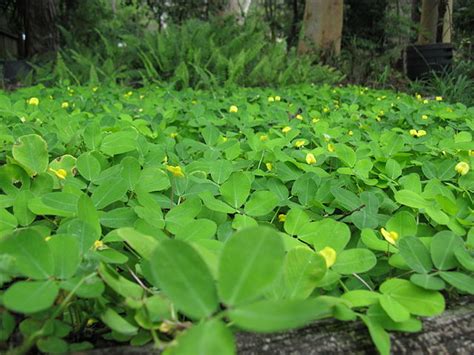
[424, 117]
[462, 168]
[173, 135]
[439, 98]
[300, 143]
[329, 254]
[65, 104]
[286, 129]
[271, 99]
[233, 108]
[263, 138]
[421, 133]
[413, 132]
[48, 238]
[34, 101]
[175, 170]
[269, 166]
[299, 117]
[282, 217]
[390, 237]
[350, 133]
[331, 148]
[277, 98]
[310, 159]
[98, 244]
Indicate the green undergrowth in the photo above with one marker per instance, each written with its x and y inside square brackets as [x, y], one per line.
[180, 218]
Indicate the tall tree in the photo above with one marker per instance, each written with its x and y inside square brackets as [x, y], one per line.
[40, 22]
[428, 21]
[322, 26]
[237, 8]
[448, 22]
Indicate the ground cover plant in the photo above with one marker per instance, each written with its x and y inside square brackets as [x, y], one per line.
[179, 218]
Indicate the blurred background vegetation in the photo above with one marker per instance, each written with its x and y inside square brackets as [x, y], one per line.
[208, 43]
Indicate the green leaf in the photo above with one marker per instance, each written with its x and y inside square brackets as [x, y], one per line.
[403, 223]
[152, 179]
[429, 282]
[32, 254]
[326, 233]
[361, 298]
[119, 142]
[273, 316]
[20, 208]
[110, 191]
[66, 255]
[88, 166]
[63, 204]
[31, 151]
[393, 169]
[7, 220]
[395, 310]
[30, 296]
[345, 198]
[354, 261]
[411, 199]
[459, 280]
[197, 229]
[464, 258]
[261, 203]
[236, 189]
[221, 170]
[415, 254]
[119, 284]
[184, 277]
[143, 244]
[416, 300]
[302, 269]
[296, 219]
[52, 345]
[116, 322]
[214, 204]
[250, 261]
[443, 246]
[379, 336]
[210, 337]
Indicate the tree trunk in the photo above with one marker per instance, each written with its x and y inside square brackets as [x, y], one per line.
[42, 34]
[428, 22]
[238, 9]
[448, 22]
[322, 26]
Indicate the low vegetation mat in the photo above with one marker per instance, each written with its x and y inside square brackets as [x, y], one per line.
[181, 217]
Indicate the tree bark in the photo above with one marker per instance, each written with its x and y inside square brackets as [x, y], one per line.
[450, 333]
[428, 22]
[42, 34]
[322, 26]
[448, 22]
[237, 8]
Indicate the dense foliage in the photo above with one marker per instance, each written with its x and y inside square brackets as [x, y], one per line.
[151, 215]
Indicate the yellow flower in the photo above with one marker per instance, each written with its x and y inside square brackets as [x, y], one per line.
[65, 104]
[299, 117]
[286, 129]
[300, 143]
[224, 139]
[381, 113]
[95, 88]
[331, 148]
[310, 159]
[418, 96]
[329, 254]
[326, 109]
[390, 237]
[277, 98]
[175, 170]
[425, 101]
[413, 132]
[471, 153]
[271, 99]
[98, 244]
[462, 168]
[233, 108]
[60, 173]
[22, 119]
[315, 120]
[439, 98]
[263, 138]
[34, 101]
[378, 119]
[48, 238]
[142, 97]
[269, 166]
[173, 135]
[350, 133]
[282, 217]
[424, 117]
[421, 133]
[166, 327]
[128, 94]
